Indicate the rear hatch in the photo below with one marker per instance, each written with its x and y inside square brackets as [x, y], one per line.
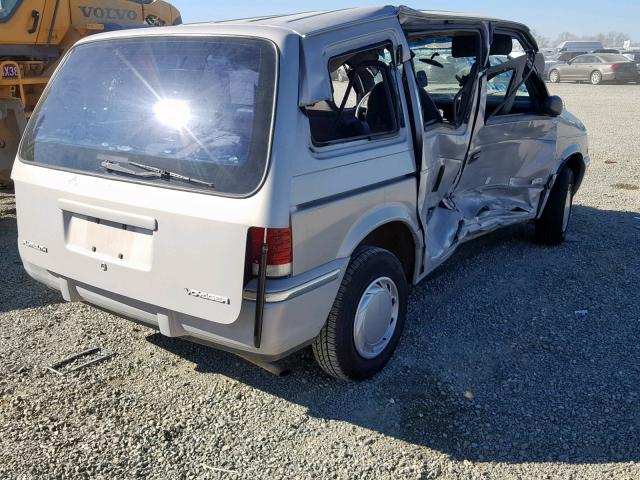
[146, 154]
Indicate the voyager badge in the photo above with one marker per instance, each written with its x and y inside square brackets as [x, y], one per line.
[35, 246]
[208, 296]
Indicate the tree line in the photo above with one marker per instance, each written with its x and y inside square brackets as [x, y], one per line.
[609, 40]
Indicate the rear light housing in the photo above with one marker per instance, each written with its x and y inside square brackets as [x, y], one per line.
[615, 67]
[280, 251]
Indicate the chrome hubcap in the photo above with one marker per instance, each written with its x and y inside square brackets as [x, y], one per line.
[567, 209]
[554, 77]
[376, 318]
[595, 78]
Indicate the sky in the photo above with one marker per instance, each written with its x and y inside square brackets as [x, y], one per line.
[548, 17]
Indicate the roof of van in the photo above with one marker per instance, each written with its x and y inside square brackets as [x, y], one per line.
[313, 22]
[308, 24]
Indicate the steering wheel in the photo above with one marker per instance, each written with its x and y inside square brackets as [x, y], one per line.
[361, 108]
[431, 61]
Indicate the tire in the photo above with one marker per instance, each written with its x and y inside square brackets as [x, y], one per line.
[336, 347]
[551, 227]
[554, 76]
[595, 77]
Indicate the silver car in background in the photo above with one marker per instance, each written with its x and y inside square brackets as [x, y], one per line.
[559, 59]
[596, 68]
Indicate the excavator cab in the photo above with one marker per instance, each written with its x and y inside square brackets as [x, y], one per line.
[35, 34]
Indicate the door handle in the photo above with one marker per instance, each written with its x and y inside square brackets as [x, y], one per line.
[36, 20]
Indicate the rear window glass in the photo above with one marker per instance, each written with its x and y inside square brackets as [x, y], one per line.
[612, 57]
[176, 112]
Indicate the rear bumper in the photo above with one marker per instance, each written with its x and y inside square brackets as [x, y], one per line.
[295, 311]
[620, 77]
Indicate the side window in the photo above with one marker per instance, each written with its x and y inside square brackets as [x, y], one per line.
[364, 101]
[444, 75]
[568, 56]
[339, 83]
[499, 85]
[446, 67]
[513, 89]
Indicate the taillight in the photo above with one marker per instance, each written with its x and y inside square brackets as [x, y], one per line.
[280, 250]
[615, 67]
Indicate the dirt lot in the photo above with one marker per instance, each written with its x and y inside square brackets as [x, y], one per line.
[497, 376]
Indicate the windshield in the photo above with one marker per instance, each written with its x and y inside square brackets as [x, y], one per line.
[614, 58]
[197, 108]
[7, 7]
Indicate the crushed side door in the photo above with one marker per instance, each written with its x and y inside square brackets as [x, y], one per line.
[505, 171]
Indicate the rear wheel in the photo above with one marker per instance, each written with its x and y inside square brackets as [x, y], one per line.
[551, 227]
[596, 77]
[554, 76]
[367, 318]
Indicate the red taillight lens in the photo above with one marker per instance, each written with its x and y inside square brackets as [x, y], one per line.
[615, 67]
[280, 254]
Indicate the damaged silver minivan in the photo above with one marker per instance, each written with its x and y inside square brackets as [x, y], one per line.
[261, 185]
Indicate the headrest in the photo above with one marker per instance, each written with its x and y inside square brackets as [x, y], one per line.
[469, 45]
[501, 45]
[463, 46]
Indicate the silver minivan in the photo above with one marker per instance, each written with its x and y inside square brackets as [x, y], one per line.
[265, 184]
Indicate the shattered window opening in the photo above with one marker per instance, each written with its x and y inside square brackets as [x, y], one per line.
[363, 104]
[446, 65]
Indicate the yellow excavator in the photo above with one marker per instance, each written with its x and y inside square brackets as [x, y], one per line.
[35, 34]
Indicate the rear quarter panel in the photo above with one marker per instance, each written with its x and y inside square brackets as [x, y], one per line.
[339, 194]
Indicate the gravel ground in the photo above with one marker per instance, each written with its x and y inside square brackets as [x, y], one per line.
[496, 377]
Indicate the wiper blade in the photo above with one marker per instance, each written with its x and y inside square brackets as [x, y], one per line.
[118, 167]
[148, 171]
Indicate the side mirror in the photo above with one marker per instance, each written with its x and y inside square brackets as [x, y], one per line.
[553, 106]
[421, 77]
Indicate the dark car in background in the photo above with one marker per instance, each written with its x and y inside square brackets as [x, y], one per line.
[606, 50]
[634, 56]
[595, 68]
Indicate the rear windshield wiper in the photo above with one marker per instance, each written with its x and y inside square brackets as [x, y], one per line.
[148, 171]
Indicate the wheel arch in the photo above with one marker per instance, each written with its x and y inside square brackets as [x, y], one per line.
[392, 228]
[576, 163]
[573, 159]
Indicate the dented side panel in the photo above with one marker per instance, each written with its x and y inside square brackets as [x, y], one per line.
[488, 174]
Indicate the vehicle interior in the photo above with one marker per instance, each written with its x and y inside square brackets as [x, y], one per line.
[445, 66]
[363, 103]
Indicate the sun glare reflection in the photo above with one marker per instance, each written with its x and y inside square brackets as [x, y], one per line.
[173, 113]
